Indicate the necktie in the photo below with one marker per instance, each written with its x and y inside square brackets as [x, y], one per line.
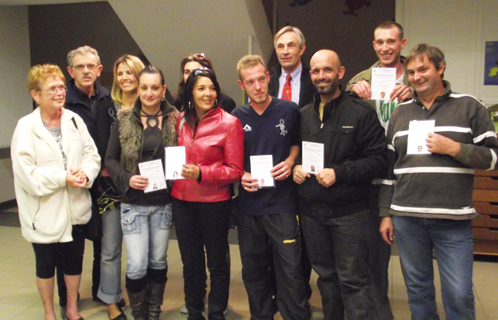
[287, 92]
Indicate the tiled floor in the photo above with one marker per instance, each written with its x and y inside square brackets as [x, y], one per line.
[19, 297]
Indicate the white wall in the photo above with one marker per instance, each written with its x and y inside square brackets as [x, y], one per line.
[459, 29]
[15, 101]
[166, 31]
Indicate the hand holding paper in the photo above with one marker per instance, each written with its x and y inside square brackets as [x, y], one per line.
[437, 143]
[249, 183]
[190, 171]
[299, 174]
[139, 182]
[326, 177]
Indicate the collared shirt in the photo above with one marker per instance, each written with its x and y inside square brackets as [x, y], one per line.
[295, 83]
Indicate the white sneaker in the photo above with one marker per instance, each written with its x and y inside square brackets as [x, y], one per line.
[183, 309]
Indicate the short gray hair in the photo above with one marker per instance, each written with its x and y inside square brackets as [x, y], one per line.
[300, 35]
[81, 50]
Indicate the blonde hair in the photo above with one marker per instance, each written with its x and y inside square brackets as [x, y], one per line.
[39, 73]
[249, 61]
[136, 66]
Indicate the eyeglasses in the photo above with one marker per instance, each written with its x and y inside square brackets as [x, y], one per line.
[55, 90]
[81, 67]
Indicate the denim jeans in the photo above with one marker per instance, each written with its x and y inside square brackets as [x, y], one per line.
[110, 262]
[453, 245]
[338, 252]
[146, 235]
[204, 226]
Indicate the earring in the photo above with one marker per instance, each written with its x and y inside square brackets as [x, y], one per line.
[215, 103]
[189, 105]
[163, 98]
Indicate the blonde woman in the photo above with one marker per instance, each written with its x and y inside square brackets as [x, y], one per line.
[124, 93]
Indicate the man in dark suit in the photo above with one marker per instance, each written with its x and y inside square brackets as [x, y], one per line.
[290, 78]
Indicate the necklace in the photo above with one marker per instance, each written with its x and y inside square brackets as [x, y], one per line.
[152, 119]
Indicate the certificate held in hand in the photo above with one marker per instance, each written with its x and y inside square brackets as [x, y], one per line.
[312, 157]
[175, 158]
[260, 169]
[153, 170]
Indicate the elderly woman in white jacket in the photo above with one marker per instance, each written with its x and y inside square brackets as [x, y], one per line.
[55, 162]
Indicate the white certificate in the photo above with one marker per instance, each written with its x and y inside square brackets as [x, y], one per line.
[418, 132]
[312, 157]
[383, 83]
[153, 170]
[175, 159]
[260, 169]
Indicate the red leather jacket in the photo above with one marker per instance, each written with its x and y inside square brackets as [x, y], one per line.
[217, 147]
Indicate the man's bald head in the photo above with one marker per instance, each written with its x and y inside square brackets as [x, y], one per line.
[326, 71]
[326, 54]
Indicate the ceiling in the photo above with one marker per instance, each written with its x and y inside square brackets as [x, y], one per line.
[34, 2]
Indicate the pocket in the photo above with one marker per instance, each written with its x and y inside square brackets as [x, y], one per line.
[166, 220]
[129, 219]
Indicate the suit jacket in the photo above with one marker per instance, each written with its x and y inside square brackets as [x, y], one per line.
[308, 90]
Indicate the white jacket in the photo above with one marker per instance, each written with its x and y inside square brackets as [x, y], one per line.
[47, 207]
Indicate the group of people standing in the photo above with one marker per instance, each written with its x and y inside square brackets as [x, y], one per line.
[78, 138]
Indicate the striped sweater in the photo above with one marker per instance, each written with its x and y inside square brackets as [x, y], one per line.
[436, 185]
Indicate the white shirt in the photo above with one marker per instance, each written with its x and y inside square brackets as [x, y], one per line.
[295, 83]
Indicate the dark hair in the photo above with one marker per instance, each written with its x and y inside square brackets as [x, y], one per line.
[151, 70]
[204, 61]
[434, 55]
[391, 24]
[188, 96]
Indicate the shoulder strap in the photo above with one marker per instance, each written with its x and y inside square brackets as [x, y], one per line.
[74, 122]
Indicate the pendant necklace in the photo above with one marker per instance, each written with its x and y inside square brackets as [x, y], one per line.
[152, 119]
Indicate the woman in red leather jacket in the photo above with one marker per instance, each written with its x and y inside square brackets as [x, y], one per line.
[214, 143]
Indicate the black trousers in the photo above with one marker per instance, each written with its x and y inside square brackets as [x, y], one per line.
[270, 249]
[68, 254]
[380, 254]
[204, 226]
[61, 285]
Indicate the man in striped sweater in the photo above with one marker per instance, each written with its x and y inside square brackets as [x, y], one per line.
[435, 140]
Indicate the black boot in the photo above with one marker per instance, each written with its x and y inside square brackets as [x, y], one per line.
[138, 304]
[155, 299]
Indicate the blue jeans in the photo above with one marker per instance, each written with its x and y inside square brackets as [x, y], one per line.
[110, 261]
[146, 235]
[338, 252]
[453, 245]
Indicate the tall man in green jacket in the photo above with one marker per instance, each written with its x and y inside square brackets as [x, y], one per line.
[388, 43]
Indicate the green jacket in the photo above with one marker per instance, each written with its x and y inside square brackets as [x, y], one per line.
[367, 76]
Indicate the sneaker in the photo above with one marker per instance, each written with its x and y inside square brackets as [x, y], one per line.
[183, 309]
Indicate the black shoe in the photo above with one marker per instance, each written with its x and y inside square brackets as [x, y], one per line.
[121, 316]
[121, 303]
